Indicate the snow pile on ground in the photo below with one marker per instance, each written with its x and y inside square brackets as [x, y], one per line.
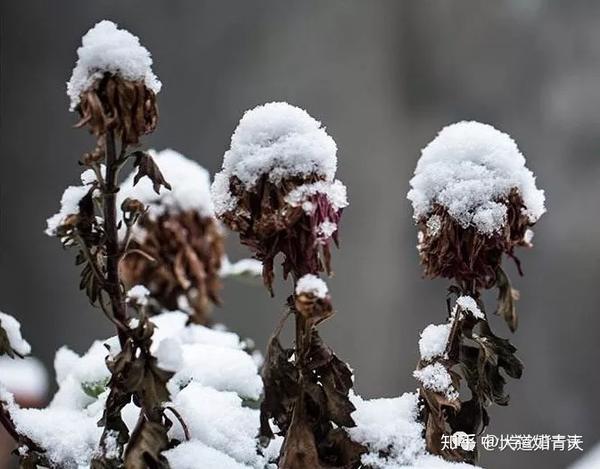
[215, 388]
[105, 48]
[190, 187]
[277, 139]
[469, 169]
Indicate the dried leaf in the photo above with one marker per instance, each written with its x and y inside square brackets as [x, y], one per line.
[145, 447]
[506, 300]
[147, 167]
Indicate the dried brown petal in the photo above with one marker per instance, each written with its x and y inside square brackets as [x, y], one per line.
[182, 257]
[113, 103]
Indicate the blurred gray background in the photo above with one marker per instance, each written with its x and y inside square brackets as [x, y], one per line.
[384, 76]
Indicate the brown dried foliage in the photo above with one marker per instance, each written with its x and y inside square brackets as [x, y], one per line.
[179, 254]
[269, 226]
[308, 397]
[113, 103]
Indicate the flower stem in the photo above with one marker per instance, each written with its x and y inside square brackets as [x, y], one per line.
[113, 282]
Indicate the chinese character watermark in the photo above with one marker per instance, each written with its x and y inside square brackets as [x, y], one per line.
[514, 442]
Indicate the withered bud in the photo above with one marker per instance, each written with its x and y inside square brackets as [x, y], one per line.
[313, 308]
[132, 209]
[178, 258]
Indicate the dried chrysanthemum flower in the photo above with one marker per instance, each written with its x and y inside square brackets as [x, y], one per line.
[176, 247]
[473, 199]
[277, 189]
[112, 85]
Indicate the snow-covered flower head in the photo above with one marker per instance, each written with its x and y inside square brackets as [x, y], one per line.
[473, 198]
[179, 234]
[113, 86]
[277, 188]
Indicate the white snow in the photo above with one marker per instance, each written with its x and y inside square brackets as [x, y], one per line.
[26, 378]
[107, 49]
[392, 434]
[312, 284]
[335, 192]
[468, 169]
[466, 303]
[433, 341]
[189, 454]
[12, 327]
[69, 436]
[220, 368]
[138, 294]
[528, 237]
[326, 229]
[190, 187]
[589, 460]
[89, 175]
[247, 267]
[219, 420]
[277, 139]
[69, 205]
[436, 378]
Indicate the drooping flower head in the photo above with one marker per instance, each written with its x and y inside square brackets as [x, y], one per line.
[180, 236]
[473, 199]
[112, 85]
[277, 189]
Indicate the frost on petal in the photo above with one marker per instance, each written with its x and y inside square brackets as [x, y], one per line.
[470, 169]
[107, 49]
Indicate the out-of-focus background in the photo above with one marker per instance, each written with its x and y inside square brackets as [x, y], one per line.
[384, 76]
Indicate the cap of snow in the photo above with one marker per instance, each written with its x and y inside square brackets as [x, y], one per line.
[190, 186]
[468, 169]
[313, 285]
[277, 139]
[466, 303]
[107, 49]
[12, 327]
[138, 294]
[69, 205]
[433, 341]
